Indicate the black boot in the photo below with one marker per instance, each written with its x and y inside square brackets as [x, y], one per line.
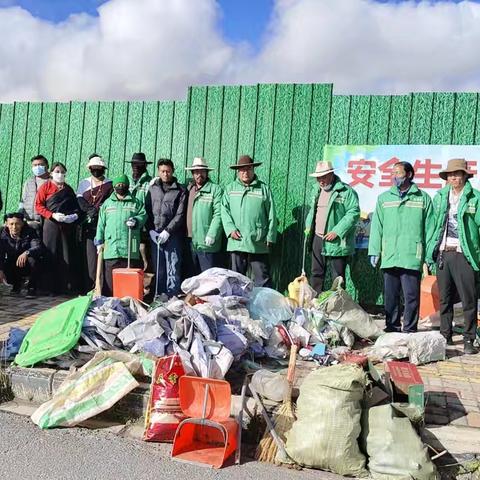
[468, 348]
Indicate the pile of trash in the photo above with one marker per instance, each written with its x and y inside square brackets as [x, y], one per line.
[220, 320]
[219, 305]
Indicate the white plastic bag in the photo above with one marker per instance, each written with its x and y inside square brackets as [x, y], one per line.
[270, 385]
[425, 347]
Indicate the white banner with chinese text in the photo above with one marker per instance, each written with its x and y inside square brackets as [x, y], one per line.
[368, 168]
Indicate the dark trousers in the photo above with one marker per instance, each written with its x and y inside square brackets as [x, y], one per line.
[16, 274]
[201, 261]
[91, 254]
[109, 266]
[319, 263]
[259, 265]
[60, 243]
[457, 275]
[398, 280]
[167, 262]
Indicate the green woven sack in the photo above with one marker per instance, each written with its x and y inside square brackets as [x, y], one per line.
[325, 434]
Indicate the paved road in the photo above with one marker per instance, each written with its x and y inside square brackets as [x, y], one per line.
[32, 454]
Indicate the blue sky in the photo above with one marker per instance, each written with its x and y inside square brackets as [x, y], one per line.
[242, 20]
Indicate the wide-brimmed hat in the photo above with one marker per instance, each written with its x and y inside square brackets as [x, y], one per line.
[454, 165]
[322, 168]
[199, 163]
[96, 162]
[139, 158]
[245, 161]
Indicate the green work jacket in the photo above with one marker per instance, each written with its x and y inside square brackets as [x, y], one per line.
[468, 224]
[343, 212]
[249, 209]
[112, 231]
[139, 189]
[207, 217]
[401, 228]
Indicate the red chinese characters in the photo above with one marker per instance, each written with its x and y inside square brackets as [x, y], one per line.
[426, 174]
[361, 171]
[386, 172]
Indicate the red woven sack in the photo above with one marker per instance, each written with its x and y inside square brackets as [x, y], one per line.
[163, 410]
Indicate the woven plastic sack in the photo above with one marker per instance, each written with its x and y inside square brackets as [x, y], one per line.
[163, 411]
[91, 390]
[394, 448]
[341, 307]
[325, 434]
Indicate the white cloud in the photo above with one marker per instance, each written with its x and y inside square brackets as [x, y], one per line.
[367, 47]
[134, 49]
[143, 49]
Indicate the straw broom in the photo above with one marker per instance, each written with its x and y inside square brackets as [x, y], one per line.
[5, 387]
[284, 418]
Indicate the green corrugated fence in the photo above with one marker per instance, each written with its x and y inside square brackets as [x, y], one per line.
[285, 126]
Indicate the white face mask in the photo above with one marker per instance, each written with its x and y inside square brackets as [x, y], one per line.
[58, 177]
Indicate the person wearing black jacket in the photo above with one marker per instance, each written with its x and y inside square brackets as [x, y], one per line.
[91, 194]
[20, 251]
[166, 206]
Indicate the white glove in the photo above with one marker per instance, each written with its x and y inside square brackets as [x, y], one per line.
[99, 248]
[163, 237]
[59, 217]
[374, 260]
[131, 223]
[153, 235]
[209, 241]
[70, 218]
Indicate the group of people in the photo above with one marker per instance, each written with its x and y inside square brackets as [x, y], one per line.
[174, 230]
[409, 234]
[178, 230]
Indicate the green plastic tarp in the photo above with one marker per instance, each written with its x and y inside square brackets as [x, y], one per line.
[56, 331]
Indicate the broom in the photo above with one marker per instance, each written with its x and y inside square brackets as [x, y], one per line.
[5, 386]
[284, 418]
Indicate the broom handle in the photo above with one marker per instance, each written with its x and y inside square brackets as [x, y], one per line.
[291, 363]
[304, 255]
[269, 423]
[98, 277]
[291, 371]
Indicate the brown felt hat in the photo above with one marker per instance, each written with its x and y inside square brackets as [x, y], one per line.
[454, 165]
[245, 161]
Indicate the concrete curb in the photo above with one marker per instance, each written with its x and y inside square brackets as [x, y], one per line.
[38, 385]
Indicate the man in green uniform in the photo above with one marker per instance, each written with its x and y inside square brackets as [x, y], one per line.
[117, 214]
[455, 247]
[139, 184]
[334, 212]
[140, 177]
[402, 227]
[249, 221]
[204, 217]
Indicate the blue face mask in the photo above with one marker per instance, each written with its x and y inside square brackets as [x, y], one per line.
[399, 182]
[39, 170]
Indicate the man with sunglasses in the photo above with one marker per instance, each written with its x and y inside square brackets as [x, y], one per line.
[20, 250]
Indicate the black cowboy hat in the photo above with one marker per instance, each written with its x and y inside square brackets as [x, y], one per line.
[138, 158]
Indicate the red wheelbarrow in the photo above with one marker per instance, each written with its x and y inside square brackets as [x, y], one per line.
[210, 436]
